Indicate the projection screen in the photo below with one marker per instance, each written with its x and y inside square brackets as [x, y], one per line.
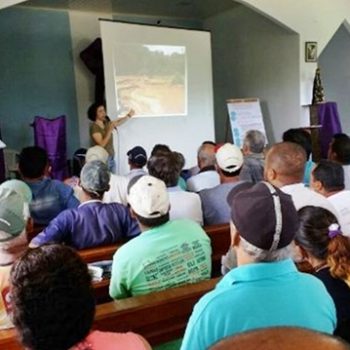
[165, 75]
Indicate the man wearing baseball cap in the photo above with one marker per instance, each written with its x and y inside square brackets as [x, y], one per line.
[93, 223]
[168, 253]
[229, 161]
[13, 243]
[266, 289]
[137, 159]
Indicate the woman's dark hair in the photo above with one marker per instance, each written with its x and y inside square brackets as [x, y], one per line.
[313, 236]
[92, 111]
[52, 298]
[165, 167]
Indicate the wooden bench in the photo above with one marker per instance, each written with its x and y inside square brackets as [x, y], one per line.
[218, 234]
[98, 253]
[159, 317]
[220, 242]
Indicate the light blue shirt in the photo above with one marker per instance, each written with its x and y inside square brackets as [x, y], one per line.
[257, 296]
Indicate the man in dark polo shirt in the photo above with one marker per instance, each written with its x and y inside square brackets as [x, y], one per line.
[93, 223]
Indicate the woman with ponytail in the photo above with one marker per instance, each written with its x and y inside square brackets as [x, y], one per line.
[324, 246]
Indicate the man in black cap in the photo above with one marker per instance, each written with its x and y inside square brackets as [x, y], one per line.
[137, 159]
[266, 289]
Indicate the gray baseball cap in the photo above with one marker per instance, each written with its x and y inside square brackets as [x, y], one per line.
[95, 176]
[12, 222]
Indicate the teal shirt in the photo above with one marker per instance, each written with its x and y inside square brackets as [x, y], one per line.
[172, 254]
[257, 296]
[309, 165]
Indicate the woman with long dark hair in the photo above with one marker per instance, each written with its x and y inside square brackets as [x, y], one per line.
[328, 251]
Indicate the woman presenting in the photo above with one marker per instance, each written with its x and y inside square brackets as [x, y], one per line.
[101, 130]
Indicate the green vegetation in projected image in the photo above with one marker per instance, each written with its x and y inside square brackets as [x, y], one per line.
[151, 79]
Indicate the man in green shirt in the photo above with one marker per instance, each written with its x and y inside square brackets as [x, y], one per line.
[168, 253]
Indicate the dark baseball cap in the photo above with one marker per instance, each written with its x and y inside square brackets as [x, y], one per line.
[263, 215]
[137, 155]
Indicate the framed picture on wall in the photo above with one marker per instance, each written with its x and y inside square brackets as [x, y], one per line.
[310, 51]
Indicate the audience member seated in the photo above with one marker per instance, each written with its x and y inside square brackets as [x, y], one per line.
[284, 168]
[23, 190]
[168, 253]
[137, 159]
[50, 197]
[183, 205]
[229, 161]
[78, 163]
[54, 307]
[253, 151]
[118, 185]
[266, 289]
[328, 251]
[93, 223]
[328, 179]
[303, 139]
[180, 160]
[13, 242]
[159, 149]
[339, 151]
[207, 176]
[281, 338]
[195, 169]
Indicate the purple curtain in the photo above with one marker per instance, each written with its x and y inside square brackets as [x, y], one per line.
[50, 134]
[328, 117]
[2, 163]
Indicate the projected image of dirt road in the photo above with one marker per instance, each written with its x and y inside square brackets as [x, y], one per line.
[151, 79]
[152, 95]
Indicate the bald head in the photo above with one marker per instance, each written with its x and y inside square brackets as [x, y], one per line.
[285, 164]
[206, 155]
[286, 338]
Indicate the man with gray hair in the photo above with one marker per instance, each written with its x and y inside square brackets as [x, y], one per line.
[93, 223]
[253, 148]
[207, 176]
[266, 289]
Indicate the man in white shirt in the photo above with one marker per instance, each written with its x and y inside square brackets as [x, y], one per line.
[339, 151]
[183, 205]
[118, 185]
[207, 176]
[253, 151]
[137, 159]
[216, 210]
[284, 168]
[327, 178]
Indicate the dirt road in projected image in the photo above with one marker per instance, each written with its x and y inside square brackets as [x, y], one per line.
[151, 95]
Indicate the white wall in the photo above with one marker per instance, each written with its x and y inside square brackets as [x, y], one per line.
[313, 20]
[8, 3]
[334, 63]
[255, 57]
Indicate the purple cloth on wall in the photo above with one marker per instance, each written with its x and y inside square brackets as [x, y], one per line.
[50, 134]
[328, 117]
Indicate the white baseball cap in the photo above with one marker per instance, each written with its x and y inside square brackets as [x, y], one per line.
[229, 158]
[149, 198]
[96, 153]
